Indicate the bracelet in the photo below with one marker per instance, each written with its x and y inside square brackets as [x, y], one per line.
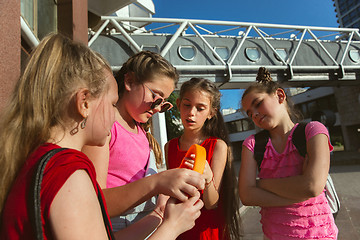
[160, 215]
[209, 183]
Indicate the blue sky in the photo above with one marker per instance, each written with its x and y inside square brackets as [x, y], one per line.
[293, 12]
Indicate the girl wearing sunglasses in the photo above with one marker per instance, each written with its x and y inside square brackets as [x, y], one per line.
[125, 169]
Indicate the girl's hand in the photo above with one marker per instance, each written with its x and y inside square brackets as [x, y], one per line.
[208, 174]
[189, 162]
[180, 183]
[181, 216]
[160, 205]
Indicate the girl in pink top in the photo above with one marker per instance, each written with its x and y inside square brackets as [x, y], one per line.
[290, 189]
[145, 80]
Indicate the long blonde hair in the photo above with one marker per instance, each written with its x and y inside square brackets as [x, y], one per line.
[42, 99]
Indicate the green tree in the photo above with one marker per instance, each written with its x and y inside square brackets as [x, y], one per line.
[172, 118]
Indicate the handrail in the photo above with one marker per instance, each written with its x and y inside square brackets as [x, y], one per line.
[308, 33]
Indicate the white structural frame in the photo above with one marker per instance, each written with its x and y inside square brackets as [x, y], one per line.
[343, 35]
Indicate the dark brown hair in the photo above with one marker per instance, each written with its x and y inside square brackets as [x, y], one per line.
[216, 127]
[265, 84]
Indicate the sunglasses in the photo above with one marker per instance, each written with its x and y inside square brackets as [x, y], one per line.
[159, 101]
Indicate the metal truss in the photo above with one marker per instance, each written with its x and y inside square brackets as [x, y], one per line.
[322, 38]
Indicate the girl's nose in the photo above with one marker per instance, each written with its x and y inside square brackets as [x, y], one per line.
[157, 108]
[192, 111]
[255, 114]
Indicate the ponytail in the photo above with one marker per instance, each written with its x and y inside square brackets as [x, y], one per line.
[154, 145]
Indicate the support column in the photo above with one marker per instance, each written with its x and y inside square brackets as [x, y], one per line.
[73, 19]
[159, 128]
[10, 48]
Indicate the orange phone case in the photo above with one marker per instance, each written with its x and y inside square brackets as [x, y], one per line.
[200, 158]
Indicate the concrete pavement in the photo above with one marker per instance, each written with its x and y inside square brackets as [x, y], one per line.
[345, 172]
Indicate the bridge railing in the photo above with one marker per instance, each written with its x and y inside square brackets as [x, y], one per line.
[336, 62]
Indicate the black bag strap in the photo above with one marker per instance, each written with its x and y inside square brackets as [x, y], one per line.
[262, 138]
[299, 138]
[105, 216]
[35, 213]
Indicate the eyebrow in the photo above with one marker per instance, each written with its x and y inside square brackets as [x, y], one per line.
[156, 91]
[252, 104]
[202, 104]
[159, 92]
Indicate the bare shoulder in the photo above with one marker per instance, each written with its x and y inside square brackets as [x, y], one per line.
[221, 145]
[82, 212]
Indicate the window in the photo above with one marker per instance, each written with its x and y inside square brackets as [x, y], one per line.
[354, 55]
[324, 103]
[282, 53]
[40, 15]
[248, 125]
[27, 12]
[252, 54]
[153, 48]
[223, 52]
[240, 125]
[187, 53]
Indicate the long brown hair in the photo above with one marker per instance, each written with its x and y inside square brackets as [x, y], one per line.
[145, 65]
[42, 99]
[216, 127]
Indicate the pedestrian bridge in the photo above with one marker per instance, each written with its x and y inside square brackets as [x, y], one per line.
[230, 53]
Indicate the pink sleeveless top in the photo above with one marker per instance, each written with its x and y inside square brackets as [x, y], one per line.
[129, 154]
[311, 219]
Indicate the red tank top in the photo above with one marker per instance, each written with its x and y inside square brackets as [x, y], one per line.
[210, 224]
[15, 217]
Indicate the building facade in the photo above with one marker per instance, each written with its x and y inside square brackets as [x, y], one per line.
[348, 13]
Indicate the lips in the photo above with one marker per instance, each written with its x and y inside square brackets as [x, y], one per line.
[189, 121]
[261, 119]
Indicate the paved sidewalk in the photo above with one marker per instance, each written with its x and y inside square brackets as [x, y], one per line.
[345, 172]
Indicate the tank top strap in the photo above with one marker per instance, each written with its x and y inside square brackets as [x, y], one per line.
[209, 145]
[173, 152]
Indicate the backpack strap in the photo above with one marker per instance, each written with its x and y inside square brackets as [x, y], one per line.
[35, 200]
[299, 138]
[261, 139]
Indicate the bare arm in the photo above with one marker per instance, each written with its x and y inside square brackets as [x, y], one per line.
[179, 217]
[177, 183]
[75, 211]
[312, 182]
[82, 218]
[99, 156]
[250, 193]
[213, 176]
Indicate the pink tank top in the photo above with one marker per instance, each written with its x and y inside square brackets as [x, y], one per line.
[311, 219]
[129, 154]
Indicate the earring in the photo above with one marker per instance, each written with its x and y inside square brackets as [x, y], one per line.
[83, 123]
